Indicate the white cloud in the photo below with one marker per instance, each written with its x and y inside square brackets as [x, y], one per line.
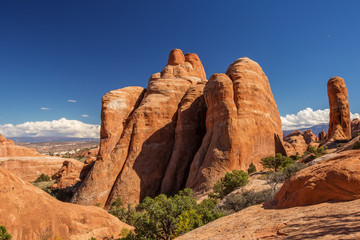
[308, 118]
[56, 128]
[84, 115]
[45, 108]
[72, 100]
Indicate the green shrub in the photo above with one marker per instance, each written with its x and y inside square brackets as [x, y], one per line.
[236, 202]
[165, 217]
[356, 145]
[251, 168]
[274, 178]
[4, 235]
[276, 163]
[43, 178]
[230, 182]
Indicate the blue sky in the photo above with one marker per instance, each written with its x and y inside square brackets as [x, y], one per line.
[55, 51]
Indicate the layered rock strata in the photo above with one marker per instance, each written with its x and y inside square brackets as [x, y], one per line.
[295, 143]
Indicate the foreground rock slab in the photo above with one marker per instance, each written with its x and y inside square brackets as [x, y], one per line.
[322, 221]
[335, 179]
[29, 213]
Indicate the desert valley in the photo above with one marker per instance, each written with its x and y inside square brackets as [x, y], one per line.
[220, 137]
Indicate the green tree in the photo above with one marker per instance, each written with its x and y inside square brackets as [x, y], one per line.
[251, 168]
[165, 217]
[43, 178]
[231, 181]
[276, 163]
[4, 235]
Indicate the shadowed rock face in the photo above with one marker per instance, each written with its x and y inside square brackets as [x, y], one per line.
[322, 135]
[183, 131]
[241, 121]
[355, 127]
[340, 125]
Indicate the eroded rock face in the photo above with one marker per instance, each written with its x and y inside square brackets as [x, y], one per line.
[295, 143]
[30, 213]
[322, 135]
[334, 179]
[242, 124]
[9, 149]
[134, 163]
[309, 136]
[68, 175]
[340, 125]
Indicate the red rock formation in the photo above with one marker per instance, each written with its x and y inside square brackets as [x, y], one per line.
[242, 122]
[295, 143]
[136, 160]
[322, 135]
[68, 175]
[340, 125]
[334, 179]
[355, 127]
[189, 132]
[9, 149]
[30, 213]
[309, 136]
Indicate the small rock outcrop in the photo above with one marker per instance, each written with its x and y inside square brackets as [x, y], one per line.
[322, 135]
[295, 143]
[309, 136]
[30, 213]
[340, 125]
[355, 127]
[68, 175]
[335, 179]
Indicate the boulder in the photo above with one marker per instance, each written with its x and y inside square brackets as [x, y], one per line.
[339, 125]
[29, 213]
[295, 143]
[242, 124]
[335, 179]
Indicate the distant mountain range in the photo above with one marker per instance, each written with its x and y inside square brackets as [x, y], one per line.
[316, 129]
[51, 139]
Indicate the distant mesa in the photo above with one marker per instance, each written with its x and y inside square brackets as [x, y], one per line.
[182, 131]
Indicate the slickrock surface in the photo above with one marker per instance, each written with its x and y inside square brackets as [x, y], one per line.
[322, 221]
[295, 143]
[334, 179]
[9, 149]
[29, 213]
[242, 124]
[340, 125]
[30, 168]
